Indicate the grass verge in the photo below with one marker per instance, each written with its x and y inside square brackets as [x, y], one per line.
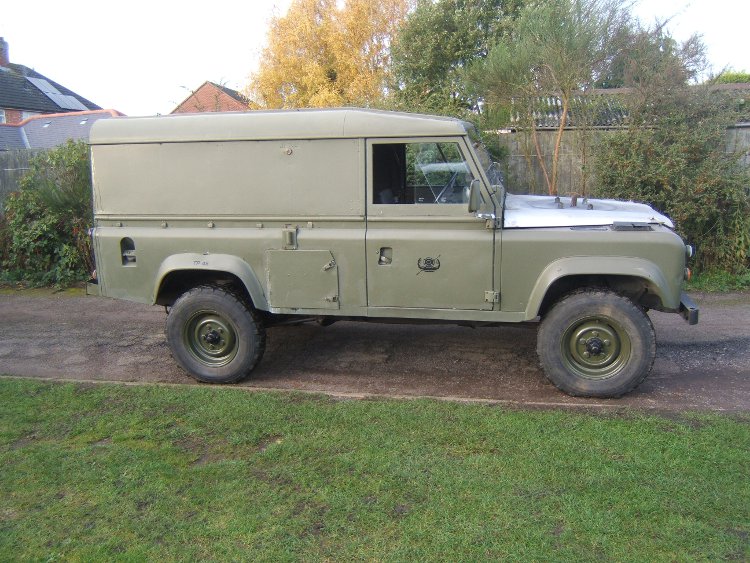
[715, 282]
[28, 291]
[149, 473]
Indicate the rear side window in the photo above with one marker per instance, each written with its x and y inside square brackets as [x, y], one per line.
[419, 173]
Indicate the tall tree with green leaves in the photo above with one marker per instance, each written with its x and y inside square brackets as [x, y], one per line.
[437, 41]
[557, 48]
[647, 55]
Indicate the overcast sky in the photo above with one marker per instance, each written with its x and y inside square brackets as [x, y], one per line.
[142, 58]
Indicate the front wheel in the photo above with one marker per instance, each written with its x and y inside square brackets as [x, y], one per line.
[214, 335]
[596, 343]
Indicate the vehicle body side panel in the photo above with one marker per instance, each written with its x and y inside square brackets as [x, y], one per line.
[534, 258]
[430, 266]
[218, 179]
[417, 252]
[238, 250]
[196, 200]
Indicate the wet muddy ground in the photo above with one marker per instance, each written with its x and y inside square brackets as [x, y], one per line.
[74, 337]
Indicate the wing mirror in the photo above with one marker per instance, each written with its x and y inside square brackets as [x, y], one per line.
[475, 196]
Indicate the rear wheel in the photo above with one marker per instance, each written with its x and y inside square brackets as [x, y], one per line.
[596, 343]
[215, 335]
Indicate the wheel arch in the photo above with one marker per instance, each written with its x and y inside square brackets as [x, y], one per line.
[181, 272]
[639, 279]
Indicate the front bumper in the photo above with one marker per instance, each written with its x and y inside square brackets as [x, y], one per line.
[688, 309]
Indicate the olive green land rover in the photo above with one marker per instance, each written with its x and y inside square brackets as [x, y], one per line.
[237, 222]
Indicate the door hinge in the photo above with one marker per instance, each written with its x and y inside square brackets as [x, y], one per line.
[490, 220]
[492, 297]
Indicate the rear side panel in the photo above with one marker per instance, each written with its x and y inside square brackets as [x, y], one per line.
[215, 179]
[187, 206]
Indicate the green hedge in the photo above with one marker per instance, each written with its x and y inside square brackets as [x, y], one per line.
[44, 234]
[676, 159]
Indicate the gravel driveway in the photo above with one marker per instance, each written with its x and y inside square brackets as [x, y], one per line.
[71, 336]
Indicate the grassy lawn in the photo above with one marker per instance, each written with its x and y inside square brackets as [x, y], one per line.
[149, 473]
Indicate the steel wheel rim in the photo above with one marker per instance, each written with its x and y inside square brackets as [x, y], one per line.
[596, 347]
[210, 338]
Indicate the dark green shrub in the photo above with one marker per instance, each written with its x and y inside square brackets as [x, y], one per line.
[45, 240]
[4, 243]
[676, 160]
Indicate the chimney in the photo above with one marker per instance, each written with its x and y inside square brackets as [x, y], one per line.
[4, 55]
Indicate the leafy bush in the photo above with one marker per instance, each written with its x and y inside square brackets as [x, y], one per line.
[676, 160]
[45, 236]
[733, 77]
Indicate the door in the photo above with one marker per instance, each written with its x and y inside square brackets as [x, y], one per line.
[424, 249]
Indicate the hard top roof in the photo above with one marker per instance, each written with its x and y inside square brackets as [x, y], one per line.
[271, 125]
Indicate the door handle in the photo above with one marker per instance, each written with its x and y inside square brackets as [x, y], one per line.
[385, 256]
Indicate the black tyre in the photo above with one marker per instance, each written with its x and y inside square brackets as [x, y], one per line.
[596, 343]
[215, 335]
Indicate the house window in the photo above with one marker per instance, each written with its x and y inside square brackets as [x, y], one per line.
[2, 116]
[27, 114]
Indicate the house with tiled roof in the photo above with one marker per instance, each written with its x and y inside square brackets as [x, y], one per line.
[21, 141]
[46, 131]
[37, 112]
[211, 97]
[25, 92]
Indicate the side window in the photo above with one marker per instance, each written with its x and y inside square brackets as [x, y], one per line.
[414, 173]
